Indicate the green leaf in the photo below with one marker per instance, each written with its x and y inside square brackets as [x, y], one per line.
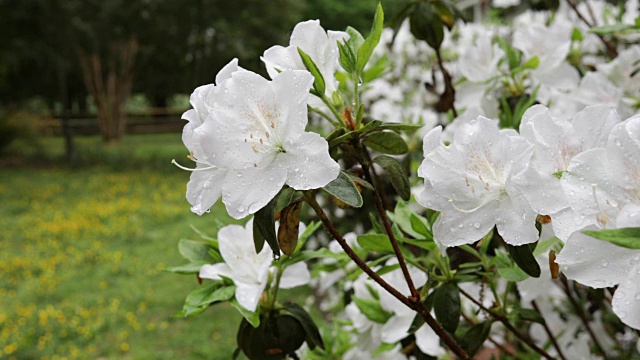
[347, 58]
[289, 228]
[343, 189]
[252, 317]
[386, 143]
[512, 274]
[313, 334]
[318, 83]
[366, 49]
[473, 338]
[421, 226]
[194, 250]
[400, 127]
[198, 300]
[523, 256]
[264, 227]
[426, 25]
[355, 39]
[376, 242]
[558, 174]
[397, 175]
[447, 307]
[576, 35]
[625, 237]
[190, 268]
[530, 315]
[359, 181]
[614, 29]
[372, 310]
[532, 63]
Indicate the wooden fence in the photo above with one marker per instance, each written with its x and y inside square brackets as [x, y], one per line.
[156, 120]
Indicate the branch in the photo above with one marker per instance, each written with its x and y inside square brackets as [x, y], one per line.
[415, 305]
[548, 331]
[612, 52]
[527, 340]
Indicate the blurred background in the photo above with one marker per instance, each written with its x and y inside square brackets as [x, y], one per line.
[91, 210]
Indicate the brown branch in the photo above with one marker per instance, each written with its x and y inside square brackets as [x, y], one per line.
[448, 97]
[415, 305]
[387, 226]
[527, 340]
[548, 331]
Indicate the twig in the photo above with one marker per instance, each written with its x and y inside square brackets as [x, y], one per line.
[527, 340]
[449, 94]
[612, 52]
[548, 331]
[415, 305]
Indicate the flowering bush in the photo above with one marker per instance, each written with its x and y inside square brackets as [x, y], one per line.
[518, 238]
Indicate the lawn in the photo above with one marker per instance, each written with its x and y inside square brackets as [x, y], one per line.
[83, 252]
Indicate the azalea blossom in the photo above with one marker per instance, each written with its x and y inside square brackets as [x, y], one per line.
[556, 142]
[470, 183]
[256, 131]
[248, 270]
[320, 45]
[604, 187]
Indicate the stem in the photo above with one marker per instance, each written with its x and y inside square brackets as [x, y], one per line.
[356, 97]
[508, 325]
[580, 312]
[387, 226]
[449, 90]
[548, 331]
[612, 52]
[335, 112]
[415, 305]
[324, 115]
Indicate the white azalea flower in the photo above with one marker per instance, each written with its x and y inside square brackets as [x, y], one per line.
[604, 186]
[470, 183]
[479, 62]
[256, 131]
[556, 142]
[248, 270]
[320, 45]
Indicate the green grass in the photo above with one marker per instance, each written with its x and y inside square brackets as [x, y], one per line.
[82, 252]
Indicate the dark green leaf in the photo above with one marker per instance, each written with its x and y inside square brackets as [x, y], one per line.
[625, 237]
[347, 58]
[421, 226]
[473, 338]
[376, 242]
[530, 315]
[252, 317]
[313, 334]
[426, 25]
[372, 310]
[366, 49]
[264, 227]
[397, 175]
[386, 143]
[359, 181]
[523, 256]
[318, 82]
[400, 127]
[194, 250]
[343, 189]
[447, 307]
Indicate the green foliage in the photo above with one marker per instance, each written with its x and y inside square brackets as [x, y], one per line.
[386, 142]
[264, 227]
[396, 174]
[446, 305]
[625, 237]
[523, 256]
[343, 189]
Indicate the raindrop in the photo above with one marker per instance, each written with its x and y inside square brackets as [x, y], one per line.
[605, 263]
[476, 225]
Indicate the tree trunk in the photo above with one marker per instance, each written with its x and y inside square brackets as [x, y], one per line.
[110, 87]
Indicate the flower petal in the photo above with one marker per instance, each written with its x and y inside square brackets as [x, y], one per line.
[214, 271]
[455, 227]
[626, 300]
[248, 296]
[295, 275]
[516, 221]
[396, 328]
[204, 189]
[428, 342]
[593, 125]
[238, 251]
[252, 190]
[292, 88]
[308, 162]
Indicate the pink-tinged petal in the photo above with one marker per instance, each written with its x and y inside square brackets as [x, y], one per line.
[593, 125]
[214, 271]
[594, 262]
[307, 162]
[428, 342]
[295, 275]
[292, 91]
[252, 189]
[626, 299]
[248, 296]
[516, 221]
[205, 188]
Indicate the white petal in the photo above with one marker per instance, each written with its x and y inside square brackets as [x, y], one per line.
[517, 221]
[238, 251]
[204, 189]
[564, 77]
[430, 142]
[248, 296]
[225, 73]
[593, 125]
[295, 275]
[308, 162]
[542, 191]
[626, 299]
[252, 190]
[454, 227]
[629, 216]
[214, 271]
[567, 221]
[593, 262]
[396, 328]
[428, 342]
[292, 91]
[278, 58]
